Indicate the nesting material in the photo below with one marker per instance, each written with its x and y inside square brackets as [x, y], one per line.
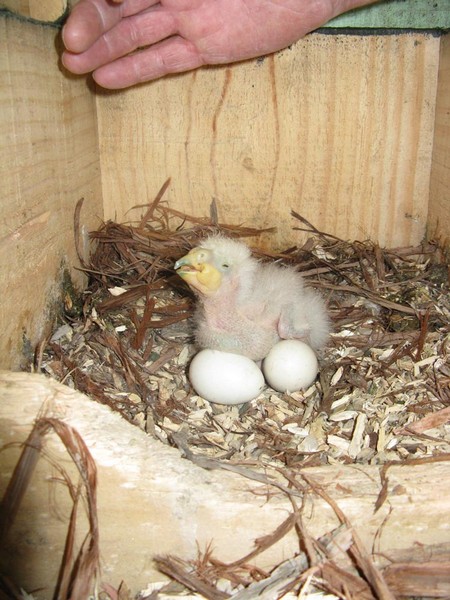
[382, 394]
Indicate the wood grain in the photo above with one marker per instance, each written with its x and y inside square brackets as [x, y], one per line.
[439, 211]
[48, 160]
[41, 10]
[338, 127]
[152, 502]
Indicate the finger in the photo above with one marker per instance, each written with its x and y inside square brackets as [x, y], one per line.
[174, 55]
[130, 33]
[89, 19]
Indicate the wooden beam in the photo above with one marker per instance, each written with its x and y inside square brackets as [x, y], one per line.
[151, 501]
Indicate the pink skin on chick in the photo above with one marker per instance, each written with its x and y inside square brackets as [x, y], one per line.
[245, 306]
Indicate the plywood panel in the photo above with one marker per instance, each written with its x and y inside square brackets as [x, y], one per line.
[48, 160]
[338, 128]
[439, 218]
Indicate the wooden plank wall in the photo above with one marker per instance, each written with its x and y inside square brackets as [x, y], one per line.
[439, 210]
[338, 127]
[48, 160]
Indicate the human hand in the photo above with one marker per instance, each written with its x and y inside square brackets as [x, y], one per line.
[132, 41]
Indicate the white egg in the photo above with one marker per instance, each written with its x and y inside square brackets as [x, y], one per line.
[290, 366]
[225, 378]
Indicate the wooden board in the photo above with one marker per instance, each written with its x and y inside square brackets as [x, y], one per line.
[439, 211]
[151, 501]
[398, 14]
[338, 128]
[48, 160]
[40, 10]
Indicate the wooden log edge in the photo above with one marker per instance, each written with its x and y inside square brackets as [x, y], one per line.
[151, 501]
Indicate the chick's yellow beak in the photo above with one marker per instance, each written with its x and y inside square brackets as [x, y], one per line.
[198, 272]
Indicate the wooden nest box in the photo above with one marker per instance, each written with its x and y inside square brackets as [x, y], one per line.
[349, 127]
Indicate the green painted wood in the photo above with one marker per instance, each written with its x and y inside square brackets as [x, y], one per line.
[397, 14]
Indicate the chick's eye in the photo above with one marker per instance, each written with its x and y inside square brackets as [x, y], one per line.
[225, 266]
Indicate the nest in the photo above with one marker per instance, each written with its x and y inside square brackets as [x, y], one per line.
[382, 394]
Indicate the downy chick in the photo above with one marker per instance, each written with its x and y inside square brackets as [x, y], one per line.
[245, 306]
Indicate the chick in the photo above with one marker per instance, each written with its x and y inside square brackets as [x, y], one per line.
[246, 306]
